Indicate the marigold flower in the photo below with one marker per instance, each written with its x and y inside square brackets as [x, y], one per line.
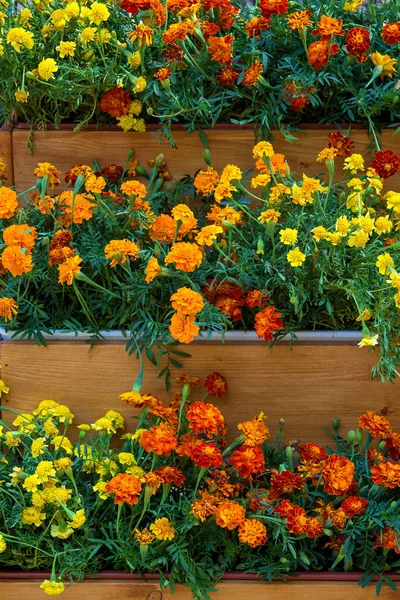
[8, 202]
[253, 533]
[314, 527]
[80, 208]
[389, 538]
[296, 518]
[255, 431]
[163, 228]
[8, 308]
[163, 529]
[319, 53]
[295, 257]
[205, 418]
[248, 460]
[328, 27]
[386, 163]
[182, 328]
[266, 322]
[312, 452]
[126, 488]
[21, 95]
[216, 384]
[377, 425]
[20, 235]
[391, 33]
[143, 34]
[19, 38]
[160, 440]
[230, 514]
[256, 298]
[68, 270]
[52, 588]
[119, 250]
[116, 102]
[208, 235]
[187, 301]
[273, 7]
[387, 473]
[385, 63]
[337, 475]
[169, 475]
[153, 269]
[46, 68]
[300, 19]
[220, 49]
[206, 455]
[256, 25]
[358, 42]
[230, 307]
[182, 213]
[144, 537]
[354, 505]
[98, 13]
[178, 31]
[343, 144]
[186, 256]
[228, 76]
[49, 170]
[253, 73]
[286, 482]
[66, 49]
[288, 236]
[16, 260]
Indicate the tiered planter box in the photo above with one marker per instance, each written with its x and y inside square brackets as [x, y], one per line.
[228, 144]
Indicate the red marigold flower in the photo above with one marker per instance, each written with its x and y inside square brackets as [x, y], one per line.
[319, 53]
[283, 509]
[229, 514]
[338, 518]
[228, 76]
[126, 488]
[328, 27]
[188, 442]
[112, 172]
[205, 418]
[391, 33]
[256, 298]
[389, 538]
[392, 442]
[209, 29]
[116, 102]
[170, 475]
[386, 163]
[286, 482]
[354, 505]
[273, 7]
[338, 475]
[314, 527]
[230, 307]
[206, 455]
[358, 41]
[312, 452]
[160, 439]
[163, 74]
[220, 49]
[216, 384]
[342, 143]
[256, 25]
[377, 425]
[134, 6]
[296, 519]
[192, 381]
[248, 460]
[268, 321]
[173, 53]
[72, 174]
[387, 473]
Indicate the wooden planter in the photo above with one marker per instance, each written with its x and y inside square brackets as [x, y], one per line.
[6, 154]
[228, 144]
[109, 586]
[308, 385]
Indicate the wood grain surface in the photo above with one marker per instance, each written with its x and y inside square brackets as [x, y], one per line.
[231, 145]
[239, 590]
[6, 154]
[308, 385]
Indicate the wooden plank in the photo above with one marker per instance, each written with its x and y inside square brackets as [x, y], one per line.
[308, 386]
[239, 590]
[231, 145]
[6, 154]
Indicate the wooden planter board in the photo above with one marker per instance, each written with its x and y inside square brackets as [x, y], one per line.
[237, 590]
[308, 385]
[6, 154]
[228, 144]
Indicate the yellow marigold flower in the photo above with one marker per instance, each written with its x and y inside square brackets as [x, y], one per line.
[384, 262]
[356, 183]
[163, 529]
[103, 424]
[72, 10]
[37, 447]
[354, 163]
[103, 36]
[333, 238]
[31, 482]
[119, 250]
[24, 422]
[59, 18]
[230, 173]
[384, 63]
[181, 212]
[68, 270]
[353, 5]
[358, 239]
[365, 315]
[12, 440]
[288, 236]
[3, 388]
[62, 532]
[3, 544]
[295, 257]
[126, 122]
[366, 224]
[87, 34]
[153, 269]
[260, 180]
[16, 477]
[62, 442]
[144, 537]
[100, 488]
[263, 149]
[19, 38]
[47, 67]
[135, 107]
[116, 418]
[63, 413]
[327, 154]
[98, 13]
[140, 85]
[21, 95]
[396, 299]
[44, 470]
[126, 458]
[208, 235]
[394, 281]
[342, 226]
[137, 472]
[269, 215]
[45, 408]
[320, 233]
[8, 308]
[311, 185]
[54, 495]
[393, 201]
[376, 183]
[369, 340]
[299, 20]
[383, 225]
[132, 399]
[135, 60]
[187, 301]
[66, 49]
[78, 520]
[32, 516]
[354, 202]
[62, 464]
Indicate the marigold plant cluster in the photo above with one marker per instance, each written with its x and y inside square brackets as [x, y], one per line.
[134, 61]
[180, 498]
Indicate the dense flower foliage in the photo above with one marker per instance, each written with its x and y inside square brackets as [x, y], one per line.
[136, 61]
[180, 498]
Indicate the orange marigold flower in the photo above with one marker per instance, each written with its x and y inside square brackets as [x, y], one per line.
[230, 307]
[296, 520]
[8, 308]
[49, 170]
[286, 482]
[134, 399]
[126, 488]
[273, 7]
[205, 182]
[314, 527]
[187, 301]
[338, 518]
[312, 452]
[80, 208]
[205, 418]
[116, 102]
[216, 384]
[256, 298]
[389, 538]
[72, 174]
[182, 328]
[248, 460]
[387, 473]
[377, 425]
[20, 235]
[95, 184]
[391, 33]
[256, 25]
[283, 509]
[328, 27]
[229, 514]
[119, 250]
[186, 256]
[253, 533]
[188, 442]
[60, 255]
[319, 53]
[143, 34]
[169, 475]
[17, 260]
[358, 42]
[209, 29]
[160, 440]
[43, 204]
[354, 505]
[178, 31]
[144, 537]
[189, 380]
[338, 475]
[255, 431]
[208, 235]
[163, 74]
[343, 144]
[134, 188]
[268, 321]
[386, 163]
[8, 202]
[300, 19]
[163, 228]
[68, 270]
[227, 76]
[201, 509]
[206, 455]
[220, 49]
[153, 483]
[392, 442]
[253, 73]
[182, 213]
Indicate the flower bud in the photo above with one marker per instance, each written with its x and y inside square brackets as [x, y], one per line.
[336, 424]
[207, 157]
[260, 246]
[382, 446]
[351, 436]
[359, 436]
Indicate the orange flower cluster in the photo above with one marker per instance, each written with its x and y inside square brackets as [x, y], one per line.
[389, 538]
[297, 521]
[220, 49]
[8, 202]
[8, 308]
[60, 248]
[319, 53]
[119, 250]
[187, 304]
[268, 321]
[297, 95]
[76, 208]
